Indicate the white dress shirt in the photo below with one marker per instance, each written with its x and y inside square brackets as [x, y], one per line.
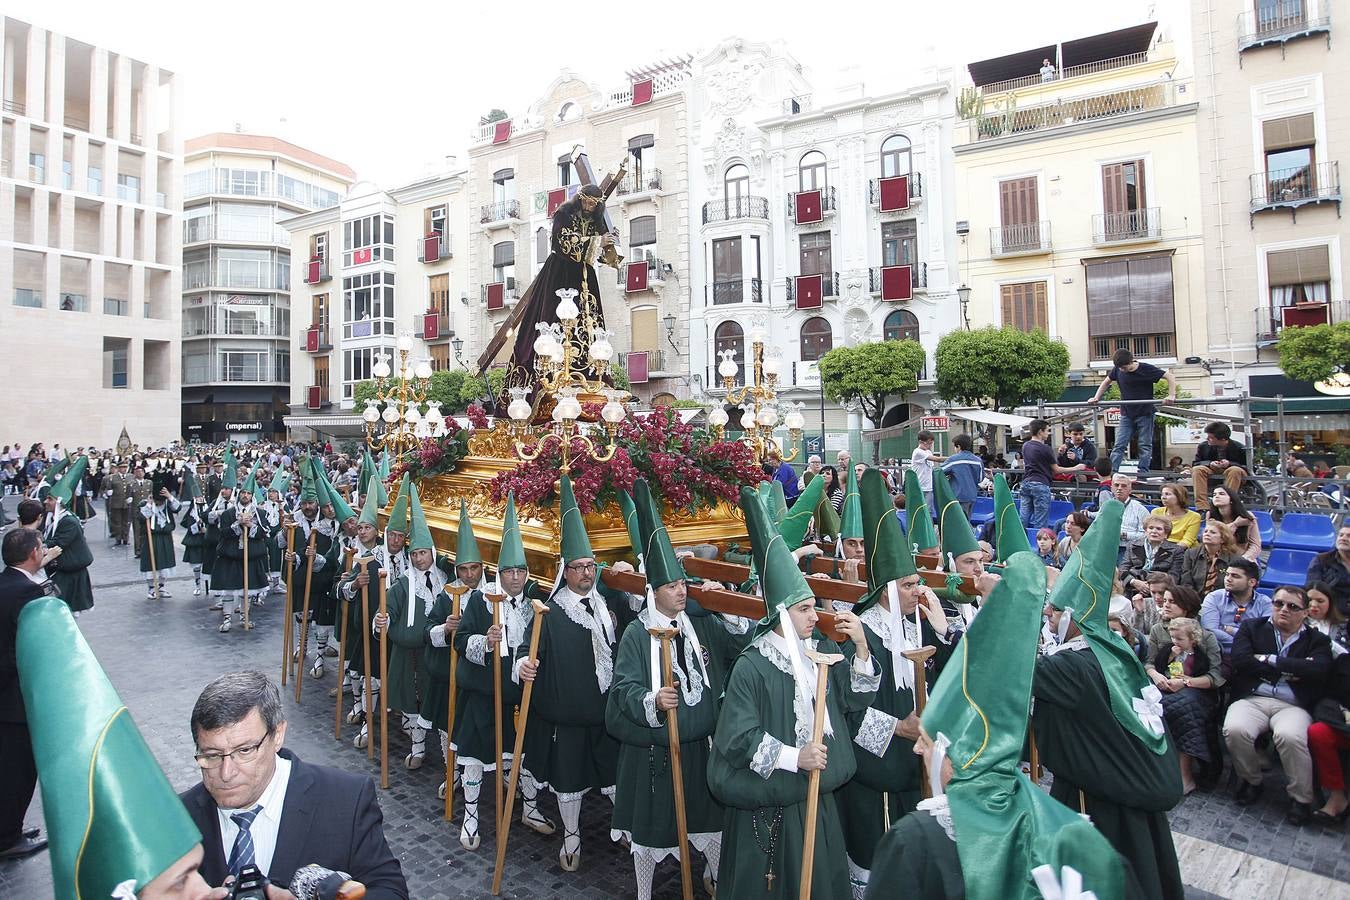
[266, 826]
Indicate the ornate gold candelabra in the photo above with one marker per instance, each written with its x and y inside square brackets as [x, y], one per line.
[571, 357]
[759, 403]
[402, 394]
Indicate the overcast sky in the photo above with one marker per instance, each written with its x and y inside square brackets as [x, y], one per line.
[390, 88]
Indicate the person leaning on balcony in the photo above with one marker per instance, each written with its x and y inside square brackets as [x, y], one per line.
[1047, 70]
[1218, 455]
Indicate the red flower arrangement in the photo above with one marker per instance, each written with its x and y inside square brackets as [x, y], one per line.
[433, 456]
[478, 417]
[683, 465]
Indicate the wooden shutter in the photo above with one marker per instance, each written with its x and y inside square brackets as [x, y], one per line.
[1306, 264]
[642, 324]
[642, 231]
[1291, 131]
[1018, 203]
[321, 372]
[1108, 297]
[1024, 305]
[727, 259]
[504, 254]
[1151, 306]
[439, 300]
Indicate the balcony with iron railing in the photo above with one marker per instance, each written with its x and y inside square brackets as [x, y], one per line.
[800, 210]
[635, 184]
[1301, 186]
[887, 200]
[1066, 74]
[1014, 120]
[444, 326]
[196, 329]
[1272, 319]
[918, 277]
[735, 208]
[1130, 227]
[316, 339]
[1022, 239]
[656, 270]
[734, 290]
[1143, 346]
[499, 214]
[829, 284]
[316, 271]
[434, 248]
[1282, 21]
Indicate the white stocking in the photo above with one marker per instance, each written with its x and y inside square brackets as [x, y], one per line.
[570, 811]
[473, 783]
[713, 852]
[643, 868]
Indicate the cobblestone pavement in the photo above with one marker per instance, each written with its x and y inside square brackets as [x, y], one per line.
[160, 653]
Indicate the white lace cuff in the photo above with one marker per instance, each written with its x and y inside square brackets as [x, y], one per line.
[649, 706]
[787, 759]
[766, 756]
[876, 731]
[864, 677]
[437, 635]
[476, 649]
[734, 624]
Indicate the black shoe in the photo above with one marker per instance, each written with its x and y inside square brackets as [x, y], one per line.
[1247, 794]
[1299, 813]
[25, 846]
[34, 832]
[1324, 818]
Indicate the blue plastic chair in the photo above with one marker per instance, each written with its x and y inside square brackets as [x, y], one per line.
[1060, 510]
[1266, 525]
[1031, 537]
[982, 511]
[1305, 531]
[904, 519]
[1286, 567]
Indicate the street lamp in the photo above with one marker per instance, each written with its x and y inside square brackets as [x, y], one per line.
[963, 295]
[758, 400]
[402, 392]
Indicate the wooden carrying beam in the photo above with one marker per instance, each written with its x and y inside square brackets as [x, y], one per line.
[826, 588]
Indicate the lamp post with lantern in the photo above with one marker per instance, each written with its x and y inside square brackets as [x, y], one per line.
[401, 392]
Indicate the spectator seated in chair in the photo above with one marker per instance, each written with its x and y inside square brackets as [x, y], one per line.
[1155, 553]
[1328, 616]
[1132, 522]
[1218, 455]
[1223, 611]
[1188, 678]
[1329, 734]
[1280, 667]
[1075, 526]
[1076, 450]
[1332, 568]
[1228, 511]
[1202, 567]
[1184, 522]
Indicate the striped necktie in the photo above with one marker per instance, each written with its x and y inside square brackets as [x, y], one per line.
[242, 853]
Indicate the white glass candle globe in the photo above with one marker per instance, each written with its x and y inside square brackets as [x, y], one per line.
[773, 365]
[380, 369]
[718, 417]
[794, 420]
[423, 370]
[518, 410]
[370, 414]
[404, 341]
[748, 419]
[768, 416]
[613, 412]
[390, 414]
[727, 368]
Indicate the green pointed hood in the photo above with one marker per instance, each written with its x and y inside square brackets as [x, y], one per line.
[574, 542]
[776, 504]
[309, 485]
[281, 480]
[629, 513]
[1006, 826]
[827, 519]
[918, 516]
[384, 466]
[374, 488]
[466, 545]
[657, 552]
[251, 482]
[398, 516]
[367, 467]
[112, 816]
[190, 490]
[1009, 533]
[957, 536]
[230, 477]
[56, 470]
[1084, 586]
[888, 554]
[512, 552]
[64, 490]
[798, 519]
[850, 515]
[370, 513]
[781, 583]
[342, 510]
[420, 536]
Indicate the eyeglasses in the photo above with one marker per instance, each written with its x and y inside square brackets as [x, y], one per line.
[243, 755]
[582, 567]
[1285, 604]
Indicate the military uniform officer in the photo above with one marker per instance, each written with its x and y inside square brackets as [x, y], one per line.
[139, 491]
[117, 491]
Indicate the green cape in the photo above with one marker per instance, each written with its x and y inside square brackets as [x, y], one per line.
[112, 816]
[466, 545]
[888, 554]
[574, 544]
[957, 536]
[512, 552]
[1085, 587]
[657, 553]
[1009, 534]
[918, 515]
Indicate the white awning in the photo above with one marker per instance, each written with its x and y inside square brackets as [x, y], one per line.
[989, 417]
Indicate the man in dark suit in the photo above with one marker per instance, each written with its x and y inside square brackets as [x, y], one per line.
[21, 581]
[260, 804]
[1280, 666]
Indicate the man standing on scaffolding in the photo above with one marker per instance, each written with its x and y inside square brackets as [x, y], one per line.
[1136, 380]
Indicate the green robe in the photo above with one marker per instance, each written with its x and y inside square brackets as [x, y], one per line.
[70, 571]
[1103, 770]
[322, 603]
[194, 536]
[227, 573]
[405, 642]
[567, 746]
[886, 787]
[161, 533]
[644, 800]
[759, 701]
[359, 620]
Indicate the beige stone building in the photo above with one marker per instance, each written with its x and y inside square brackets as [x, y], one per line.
[89, 242]
[1273, 122]
[522, 167]
[1077, 204]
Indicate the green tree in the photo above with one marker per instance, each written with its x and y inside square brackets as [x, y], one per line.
[361, 392]
[619, 375]
[1315, 352]
[1000, 368]
[870, 374]
[493, 115]
[480, 387]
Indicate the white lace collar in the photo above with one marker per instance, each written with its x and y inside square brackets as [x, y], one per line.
[600, 625]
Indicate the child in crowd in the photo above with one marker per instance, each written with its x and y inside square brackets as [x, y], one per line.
[1046, 549]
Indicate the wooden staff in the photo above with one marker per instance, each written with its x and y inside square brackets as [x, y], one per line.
[347, 555]
[384, 684]
[365, 647]
[455, 591]
[823, 662]
[150, 545]
[304, 615]
[496, 601]
[243, 533]
[1035, 754]
[920, 658]
[517, 759]
[286, 624]
[664, 635]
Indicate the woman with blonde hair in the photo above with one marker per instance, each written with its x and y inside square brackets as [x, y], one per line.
[1202, 567]
[1184, 522]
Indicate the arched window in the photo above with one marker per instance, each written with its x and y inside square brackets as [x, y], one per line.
[811, 171]
[816, 338]
[895, 156]
[903, 325]
[736, 185]
[729, 336]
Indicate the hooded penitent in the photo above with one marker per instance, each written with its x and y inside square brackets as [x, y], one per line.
[1009, 534]
[918, 515]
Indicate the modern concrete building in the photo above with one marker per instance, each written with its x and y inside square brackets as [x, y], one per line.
[89, 242]
[1272, 129]
[378, 266]
[237, 311]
